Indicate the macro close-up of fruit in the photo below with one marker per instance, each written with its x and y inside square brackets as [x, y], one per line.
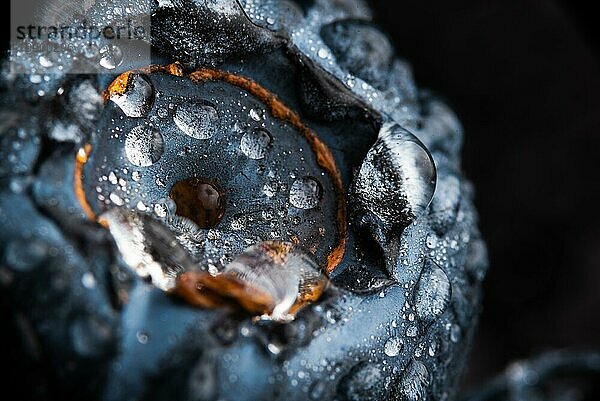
[236, 200]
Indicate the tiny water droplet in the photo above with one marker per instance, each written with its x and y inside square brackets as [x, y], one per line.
[142, 337]
[455, 333]
[116, 199]
[255, 114]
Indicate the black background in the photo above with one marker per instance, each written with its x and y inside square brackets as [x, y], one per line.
[524, 78]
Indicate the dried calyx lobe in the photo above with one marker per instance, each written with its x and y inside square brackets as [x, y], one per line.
[403, 337]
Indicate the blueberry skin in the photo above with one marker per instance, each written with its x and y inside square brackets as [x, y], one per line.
[384, 330]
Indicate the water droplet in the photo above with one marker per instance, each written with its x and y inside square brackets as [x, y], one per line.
[111, 56]
[412, 331]
[200, 200]
[116, 199]
[138, 97]
[431, 241]
[455, 333]
[432, 348]
[23, 256]
[392, 346]
[396, 181]
[433, 292]
[142, 337]
[144, 146]
[88, 280]
[322, 53]
[45, 61]
[255, 114]
[415, 381]
[197, 120]
[90, 50]
[254, 144]
[305, 193]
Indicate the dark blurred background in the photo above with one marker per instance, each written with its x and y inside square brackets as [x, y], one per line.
[524, 78]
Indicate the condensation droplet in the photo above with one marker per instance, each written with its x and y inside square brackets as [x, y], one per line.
[305, 193]
[111, 56]
[144, 146]
[142, 337]
[396, 181]
[433, 292]
[197, 120]
[254, 144]
[24, 255]
[116, 199]
[455, 333]
[392, 346]
[137, 99]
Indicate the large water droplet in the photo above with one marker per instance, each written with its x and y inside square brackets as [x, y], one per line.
[305, 193]
[396, 181]
[433, 292]
[144, 146]
[200, 200]
[392, 346]
[254, 144]
[111, 56]
[138, 97]
[415, 381]
[197, 120]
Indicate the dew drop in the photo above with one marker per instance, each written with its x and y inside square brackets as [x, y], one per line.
[116, 199]
[23, 256]
[142, 337]
[137, 99]
[305, 193]
[396, 181]
[255, 114]
[254, 144]
[455, 333]
[111, 57]
[197, 120]
[433, 292]
[392, 346]
[144, 146]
